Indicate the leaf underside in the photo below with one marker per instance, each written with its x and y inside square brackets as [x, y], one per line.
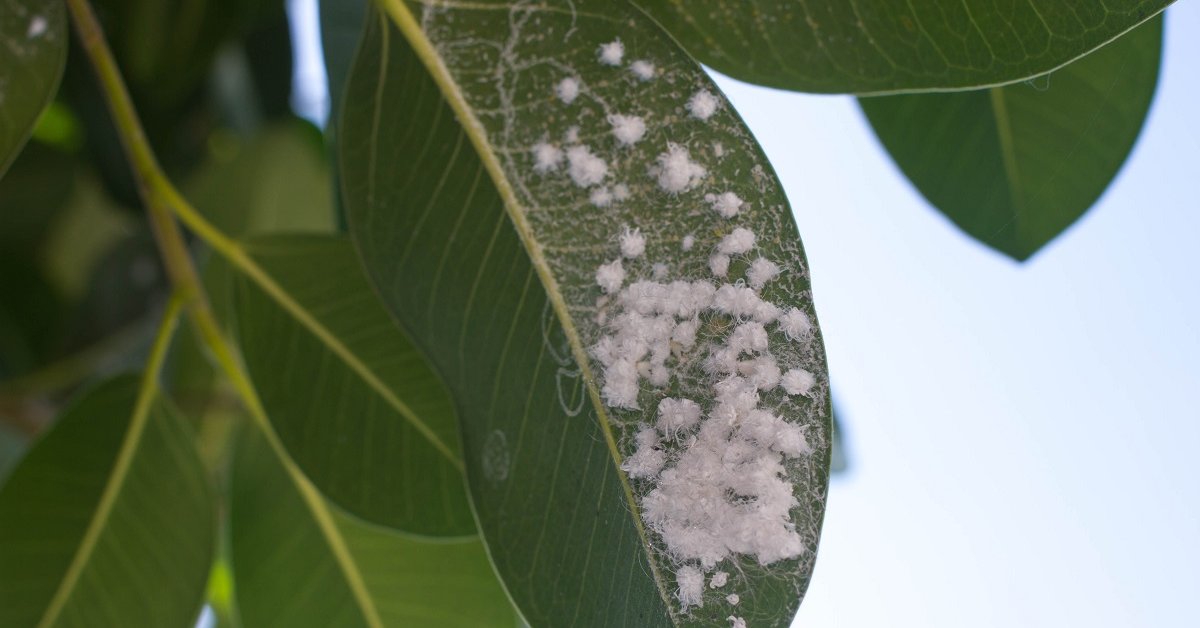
[1015, 166]
[147, 559]
[491, 268]
[33, 52]
[352, 400]
[882, 46]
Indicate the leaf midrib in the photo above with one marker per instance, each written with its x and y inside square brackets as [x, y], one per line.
[406, 22]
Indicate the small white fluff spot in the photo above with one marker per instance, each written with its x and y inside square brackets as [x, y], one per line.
[675, 170]
[727, 204]
[703, 104]
[612, 52]
[797, 382]
[633, 243]
[586, 169]
[691, 586]
[572, 134]
[736, 622]
[610, 276]
[546, 157]
[719, 265]
[601, 196]
[760, 272]
[620, 192]
[733, 598]
[642, 69]
[627, 129]
[567, 90]
[718, 149]
[795, 324]
[37, 27]
[740, 240]
[648, 460]
[677, 415]
[689, 241]
[718, 580]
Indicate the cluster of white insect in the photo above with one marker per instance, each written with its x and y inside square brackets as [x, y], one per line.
[710, 470]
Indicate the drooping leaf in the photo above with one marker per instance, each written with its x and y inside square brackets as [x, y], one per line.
[352, 400]
[109, 520]
[295, 568]
[880, 46]
[490, 261]
[1014, 166]
[33, 50]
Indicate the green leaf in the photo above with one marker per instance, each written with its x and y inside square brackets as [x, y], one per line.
[296, 567]
[109, 520]
[33, 51]
[1014, 166]
[880, 46]
[341, 24]
[491, 266]
[354, 403]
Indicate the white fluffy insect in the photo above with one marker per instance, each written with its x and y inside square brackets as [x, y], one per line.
[610, 276]
[703, 104]
[691, 586]
[546, 157]
[676, 416]
[736, 622]
[726, 204]
[718, 264]
[627, 129]
[601, 196]
[585, 168]
[718, 580]
[633, 243]
[612, 52]
[642, 69]
[733, 599]
[795, 324]
[567, 90]
[797, 382]
[740, 240]
[675, 170]
[760, 272]
[620, 192]
[688, 242]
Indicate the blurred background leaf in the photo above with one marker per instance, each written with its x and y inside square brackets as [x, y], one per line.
[1014, 166]
[33, 49]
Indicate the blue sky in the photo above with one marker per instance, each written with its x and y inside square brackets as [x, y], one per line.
[1024, 438]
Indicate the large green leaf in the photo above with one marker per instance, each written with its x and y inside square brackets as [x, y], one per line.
[109, 520]
[491, 265]
[878, 46]
[352, 400]
[298, 564]
[33, 51]
[1014, 166]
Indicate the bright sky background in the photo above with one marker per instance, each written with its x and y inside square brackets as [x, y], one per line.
[1024, 440]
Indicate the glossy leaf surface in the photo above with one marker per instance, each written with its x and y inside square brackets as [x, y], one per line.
[33, 51]
[109, 520]
[293, 572]
[877, 46]
[490, 263]
[1014, 166]
[352, 400]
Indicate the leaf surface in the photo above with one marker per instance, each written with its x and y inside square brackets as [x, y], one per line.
[109, 520]
[490, 263]
[352, 400]
[879, 46]
[289, 574]
[33, 52]
[1014, 166]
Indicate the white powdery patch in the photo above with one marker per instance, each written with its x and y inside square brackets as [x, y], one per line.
[691, 586]
[610, 276]
[795, 324]
[740, 240]
[627, 129]
[733, 598]
[727, 204]
[620, 192]
[688, 242]
[675, 170]
[546, 157]
[676, 416]
[633, 243]
[567, 90]
[798, 382]
[760, 272]
[736, 622]
[612, 52]
[660, 271]
[719, 265]
[586, 169]
[648, 460]
[572, 134]
[601, 196]
[642, 69]
[703, 104]
[718, 580]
